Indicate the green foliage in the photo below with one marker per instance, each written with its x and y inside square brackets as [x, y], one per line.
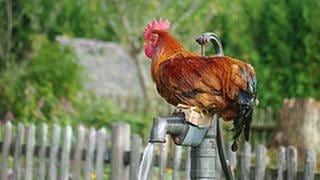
[40, 88]
[280, 39]
[55, 66]
[83, 18]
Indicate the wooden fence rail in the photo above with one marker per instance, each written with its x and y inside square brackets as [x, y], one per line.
[43, 152]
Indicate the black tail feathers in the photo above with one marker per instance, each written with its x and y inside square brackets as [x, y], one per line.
[243, 119]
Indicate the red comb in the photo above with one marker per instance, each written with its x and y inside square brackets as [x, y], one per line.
[161, 24]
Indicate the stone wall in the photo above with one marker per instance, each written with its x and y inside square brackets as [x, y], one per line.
[109, 68]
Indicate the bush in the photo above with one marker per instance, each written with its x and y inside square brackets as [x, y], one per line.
[43, 84]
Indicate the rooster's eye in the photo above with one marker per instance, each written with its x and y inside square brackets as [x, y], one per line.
[153, 39]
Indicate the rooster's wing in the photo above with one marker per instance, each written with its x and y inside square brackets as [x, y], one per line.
[206, 82]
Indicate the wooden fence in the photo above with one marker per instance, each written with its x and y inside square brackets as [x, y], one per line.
[245, 165]
[42, 152]
[30, 152]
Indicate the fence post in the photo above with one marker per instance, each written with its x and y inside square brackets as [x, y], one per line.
[281, 163]
[309, 164]
[245, 161]
[261, 154]
[65, 159]
[55, 140]
[5, 150]
[30, 151]
[120, 145]
[42, 152]
[292, 162]
[91, 139]
[19, 137]
[135, 156]
[101, 147]
[81, 132]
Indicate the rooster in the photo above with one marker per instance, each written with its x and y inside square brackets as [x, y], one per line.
[213, 85]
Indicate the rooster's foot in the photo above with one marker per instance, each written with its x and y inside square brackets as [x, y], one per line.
[192, 114]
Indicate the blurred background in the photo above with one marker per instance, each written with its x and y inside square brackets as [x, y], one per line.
[82, 62]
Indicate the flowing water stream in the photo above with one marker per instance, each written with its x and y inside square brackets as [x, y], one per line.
[145, 164]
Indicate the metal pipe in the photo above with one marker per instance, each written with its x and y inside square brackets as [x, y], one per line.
[202, 140]
[216, 42]
[204, 38]
[203, 158]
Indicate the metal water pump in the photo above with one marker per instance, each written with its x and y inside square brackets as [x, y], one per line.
[202, 139]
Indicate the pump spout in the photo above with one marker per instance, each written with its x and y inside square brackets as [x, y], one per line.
[173, 125]
[181, 131]
[158, 131]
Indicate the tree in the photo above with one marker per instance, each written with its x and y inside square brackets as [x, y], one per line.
[7, 24]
